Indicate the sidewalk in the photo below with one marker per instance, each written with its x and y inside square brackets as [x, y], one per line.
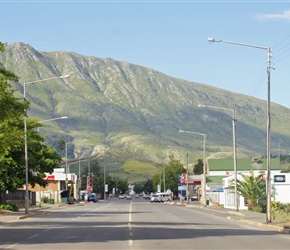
[9, 216]
[242, 216]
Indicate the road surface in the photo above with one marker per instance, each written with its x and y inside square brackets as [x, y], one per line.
[135, 224]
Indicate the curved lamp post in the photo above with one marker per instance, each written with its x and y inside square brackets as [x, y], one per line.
[52, 119]
[66, 180]
[204, 167]
[25, 139]
[48, 120]
[269, 50]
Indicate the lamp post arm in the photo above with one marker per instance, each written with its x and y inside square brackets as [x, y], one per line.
[43, 80]
[214, 107]
[213, 40]
[53, 119]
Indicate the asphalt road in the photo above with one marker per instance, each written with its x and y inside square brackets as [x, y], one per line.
[135, 224]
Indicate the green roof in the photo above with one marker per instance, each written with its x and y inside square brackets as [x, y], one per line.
[242, 164]
[215, 179]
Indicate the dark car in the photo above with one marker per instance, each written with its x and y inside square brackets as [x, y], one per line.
[93, 198]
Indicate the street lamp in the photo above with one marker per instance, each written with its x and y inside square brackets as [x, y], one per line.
[53, 119]
[204, 166]
[25, 139]
[269, 50]
[234, 120]
[48, 120]
[66, 180]
[79, 179]
[187, 191]
[104, 182]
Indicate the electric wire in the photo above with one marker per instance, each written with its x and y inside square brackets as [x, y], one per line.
[281, 53]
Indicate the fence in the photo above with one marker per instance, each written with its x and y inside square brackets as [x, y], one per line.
[18, 197]
[227, 199]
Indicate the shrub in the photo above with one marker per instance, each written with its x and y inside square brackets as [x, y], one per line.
[44, 199]
[257, 209]
[8, 206]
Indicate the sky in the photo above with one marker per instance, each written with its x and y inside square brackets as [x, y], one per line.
[168, 36]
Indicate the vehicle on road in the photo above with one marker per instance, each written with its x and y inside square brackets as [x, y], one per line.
[136, 195]
[164, 196]
[193, 197]
[93, 198]
[128, 197]
[146, 197]
[122, 196]
[156, 198]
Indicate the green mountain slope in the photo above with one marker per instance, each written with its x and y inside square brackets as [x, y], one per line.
[136, 112]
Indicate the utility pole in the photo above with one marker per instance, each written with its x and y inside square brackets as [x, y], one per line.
[187, 196]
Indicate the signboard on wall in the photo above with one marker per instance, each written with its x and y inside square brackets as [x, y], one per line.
[279, 178]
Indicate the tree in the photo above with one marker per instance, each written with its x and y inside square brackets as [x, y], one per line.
[198, 167]
[61, 145]
[41, 158]
[148, 186]
[138, 187]
[122, 186]
[172, 170]
[251, 188]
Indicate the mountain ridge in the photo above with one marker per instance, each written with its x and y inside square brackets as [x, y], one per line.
[121, 106]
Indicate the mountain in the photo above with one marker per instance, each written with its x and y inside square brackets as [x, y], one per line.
[135, 113]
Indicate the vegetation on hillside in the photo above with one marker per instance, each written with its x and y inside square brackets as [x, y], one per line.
[121, 106]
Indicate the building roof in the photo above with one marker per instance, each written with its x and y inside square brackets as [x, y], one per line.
[242, 164]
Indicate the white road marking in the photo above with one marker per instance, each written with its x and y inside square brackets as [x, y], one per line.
[33, 236]
[129, 224]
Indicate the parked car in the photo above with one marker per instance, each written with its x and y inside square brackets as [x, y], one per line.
[128, 197]
[164, 196]
[136, 195]
[156, 198]
[193, 197]
[93, 198]
[146, 197]
[122, 196]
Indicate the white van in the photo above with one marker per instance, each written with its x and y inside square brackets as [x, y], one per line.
[164, 196]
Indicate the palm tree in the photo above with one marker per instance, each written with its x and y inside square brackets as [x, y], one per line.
[251, 188]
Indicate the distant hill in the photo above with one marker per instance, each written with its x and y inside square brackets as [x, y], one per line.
[135, 113]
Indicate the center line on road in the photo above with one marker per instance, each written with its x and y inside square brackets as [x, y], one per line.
[130, 212]
[33, 236]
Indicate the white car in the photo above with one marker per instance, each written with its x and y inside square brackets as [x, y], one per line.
[156, 198]
[128, 197]
[122, 196]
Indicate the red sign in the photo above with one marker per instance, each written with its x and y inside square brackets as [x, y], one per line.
[90, 189]
[49, 178]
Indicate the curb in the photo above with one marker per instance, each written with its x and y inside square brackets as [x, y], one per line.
[268, 226]
[278, 228]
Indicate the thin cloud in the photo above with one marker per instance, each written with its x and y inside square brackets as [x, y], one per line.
[285, 15]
